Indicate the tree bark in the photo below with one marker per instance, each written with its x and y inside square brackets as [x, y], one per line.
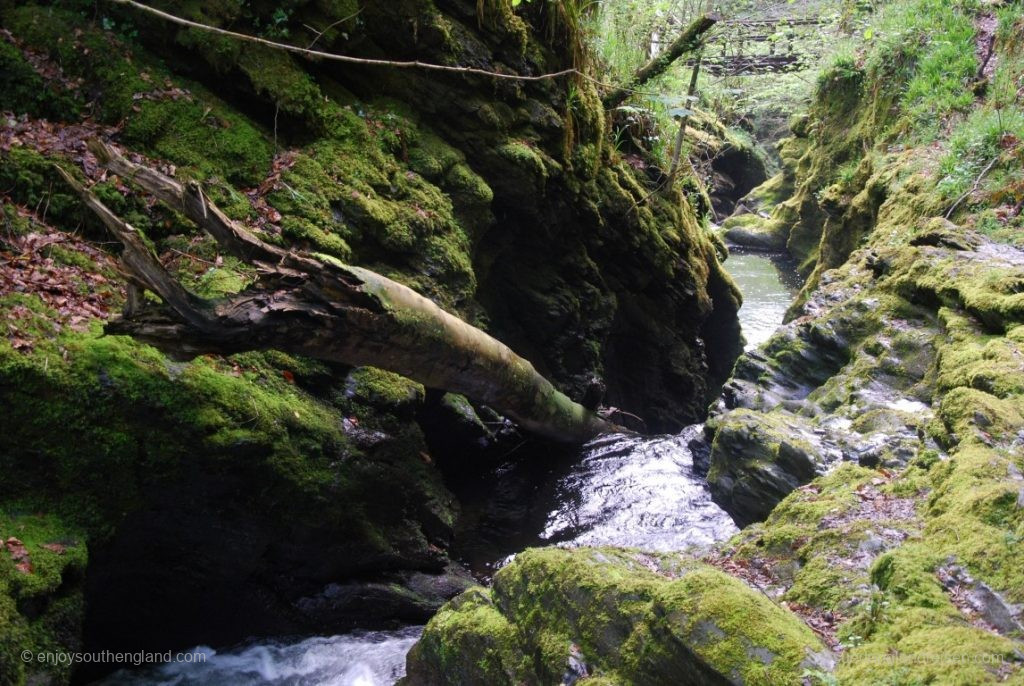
[689, 41]
[314, 305]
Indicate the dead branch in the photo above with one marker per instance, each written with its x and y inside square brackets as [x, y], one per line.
[687, 42]
[318, 307]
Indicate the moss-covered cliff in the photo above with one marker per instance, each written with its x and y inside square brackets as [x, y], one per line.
[271, 493]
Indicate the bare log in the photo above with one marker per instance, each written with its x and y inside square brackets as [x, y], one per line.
[316, 306]
[687, 42]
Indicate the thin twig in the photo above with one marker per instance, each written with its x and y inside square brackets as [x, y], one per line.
[413, 64]
[192, 257]
[319, 34]
[977, 183]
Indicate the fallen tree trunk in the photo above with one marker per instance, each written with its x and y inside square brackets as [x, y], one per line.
[314, 305]
[687, 42]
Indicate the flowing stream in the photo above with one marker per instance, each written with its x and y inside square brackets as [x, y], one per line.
[768, 282]
[643, 492]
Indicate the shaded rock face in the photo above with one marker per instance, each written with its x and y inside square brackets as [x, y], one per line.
[577, 267]
[199, 565]
[615, 616]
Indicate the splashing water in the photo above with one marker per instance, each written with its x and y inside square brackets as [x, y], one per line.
[637, 492]
[374, 658]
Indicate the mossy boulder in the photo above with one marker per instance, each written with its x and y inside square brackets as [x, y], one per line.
[315, 489]
[753, 231]
[762, 199]
[622, 616]
[756, 460]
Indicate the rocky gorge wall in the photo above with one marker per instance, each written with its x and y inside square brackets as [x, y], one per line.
[147, 502]
[873, 447]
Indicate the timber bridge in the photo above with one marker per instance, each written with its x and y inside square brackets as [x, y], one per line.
[743, 47]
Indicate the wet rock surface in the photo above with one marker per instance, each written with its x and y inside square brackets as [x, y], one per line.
[843, 382]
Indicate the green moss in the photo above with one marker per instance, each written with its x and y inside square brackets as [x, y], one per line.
[169, 118]
[25, 92]
[468, 642]
[220, 281]
[30, 179]
[758, 642]
[208, 138]
[467, 186]
[811, 531]
[744, 221]
[628, 613]
[432, 158]
[974, 515]
[913, 633]
[969, 413]
[975, 360]
[40, 609]
[769, 194]
[916, 652]
[108, 390]
[528, 157]
[276, 75]
[348, 199]
[382, 388]
[305, 233]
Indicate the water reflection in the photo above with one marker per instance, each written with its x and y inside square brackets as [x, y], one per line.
[768, 282]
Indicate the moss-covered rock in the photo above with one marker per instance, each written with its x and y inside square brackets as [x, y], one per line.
[42, 564]
[753, 231]
[626, 617]
[737, 164]
[756, 460]
[168, 454]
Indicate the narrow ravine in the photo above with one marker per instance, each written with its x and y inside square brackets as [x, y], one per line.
[399, 344]
[629, 491]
